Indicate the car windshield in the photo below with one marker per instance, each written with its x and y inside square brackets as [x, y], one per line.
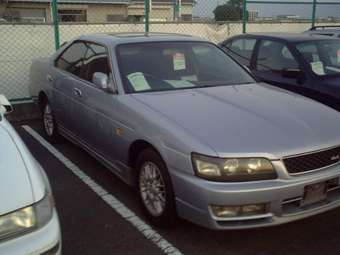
[322, 56]
[160, 66]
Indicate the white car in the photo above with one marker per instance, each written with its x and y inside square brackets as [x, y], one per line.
[28, 219]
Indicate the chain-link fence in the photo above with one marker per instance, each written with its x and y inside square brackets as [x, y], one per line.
[19, 45]
[32, 29]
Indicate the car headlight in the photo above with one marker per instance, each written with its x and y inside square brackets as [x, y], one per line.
[233, 169]
[26, 219]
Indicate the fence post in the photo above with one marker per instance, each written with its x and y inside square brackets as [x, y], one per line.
[314, 13]
[244, 16]
[147, 16]
[55, 24]
[179, 9]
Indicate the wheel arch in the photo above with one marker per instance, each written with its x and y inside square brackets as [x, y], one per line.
[136, 148]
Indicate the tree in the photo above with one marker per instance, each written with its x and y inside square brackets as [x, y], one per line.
[230, 11]
[236, 3]
[226, 12]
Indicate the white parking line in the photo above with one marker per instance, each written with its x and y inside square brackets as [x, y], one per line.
[113, 202]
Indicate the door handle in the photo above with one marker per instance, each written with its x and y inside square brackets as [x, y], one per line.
[77, 92]
[49, 78]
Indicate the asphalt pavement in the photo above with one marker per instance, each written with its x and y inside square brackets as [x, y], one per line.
[90, 226]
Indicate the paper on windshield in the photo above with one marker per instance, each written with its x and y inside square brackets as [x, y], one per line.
[318, 67]
[138, 81]
[189, 78]
[180, 84]
[179, 61]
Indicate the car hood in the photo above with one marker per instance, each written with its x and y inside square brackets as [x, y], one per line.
[15, 186]
[249, 120]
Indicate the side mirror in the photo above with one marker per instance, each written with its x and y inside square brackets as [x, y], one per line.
[292, 73]
[5, 105]
[101, 80]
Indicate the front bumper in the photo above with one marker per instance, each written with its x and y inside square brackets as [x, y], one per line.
[194, 196]
[46, 240]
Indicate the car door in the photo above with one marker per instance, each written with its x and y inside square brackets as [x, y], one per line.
[241, 49]
[69, 69]
[96, 109]
[276, 64]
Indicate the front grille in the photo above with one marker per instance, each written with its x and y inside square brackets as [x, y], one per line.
[312, 161]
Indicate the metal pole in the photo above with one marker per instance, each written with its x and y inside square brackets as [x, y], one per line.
[244, 16]
[55, 24]
[314, 13]
[147, 16]
[179, 9]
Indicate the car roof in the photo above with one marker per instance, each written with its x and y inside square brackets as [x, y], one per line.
[291, 37]
[328, 32]
[331, 28]
[122, 38]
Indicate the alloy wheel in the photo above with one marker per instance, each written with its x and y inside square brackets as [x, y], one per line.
[48, 120]
[152, 188]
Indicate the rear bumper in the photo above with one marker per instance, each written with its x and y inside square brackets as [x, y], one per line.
[282, 197]
[46, 240]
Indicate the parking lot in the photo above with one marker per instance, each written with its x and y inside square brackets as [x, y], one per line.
[99, 214]
[219, 111]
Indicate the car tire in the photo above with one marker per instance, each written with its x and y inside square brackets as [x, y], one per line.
[154, 183]
[49, 124]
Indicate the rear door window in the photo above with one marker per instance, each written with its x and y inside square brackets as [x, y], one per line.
[71, 60]
[242, 50]
[275, 57]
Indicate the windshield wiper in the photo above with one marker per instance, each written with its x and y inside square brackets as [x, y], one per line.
[219, 84]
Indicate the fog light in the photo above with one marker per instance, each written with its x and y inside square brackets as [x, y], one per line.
[238, 211]
[226, 211]
[253, 209]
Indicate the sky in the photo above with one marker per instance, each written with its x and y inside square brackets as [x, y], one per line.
[205, 8]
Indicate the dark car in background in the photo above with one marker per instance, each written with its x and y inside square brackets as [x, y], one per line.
[325, 30]
[302, 63]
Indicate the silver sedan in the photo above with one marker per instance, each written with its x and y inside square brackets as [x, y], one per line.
[191, 129]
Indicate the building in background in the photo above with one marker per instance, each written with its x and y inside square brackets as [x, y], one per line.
[161, 10]
[252, 15]
[265, 19]
[292, 17]
[92, 11]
